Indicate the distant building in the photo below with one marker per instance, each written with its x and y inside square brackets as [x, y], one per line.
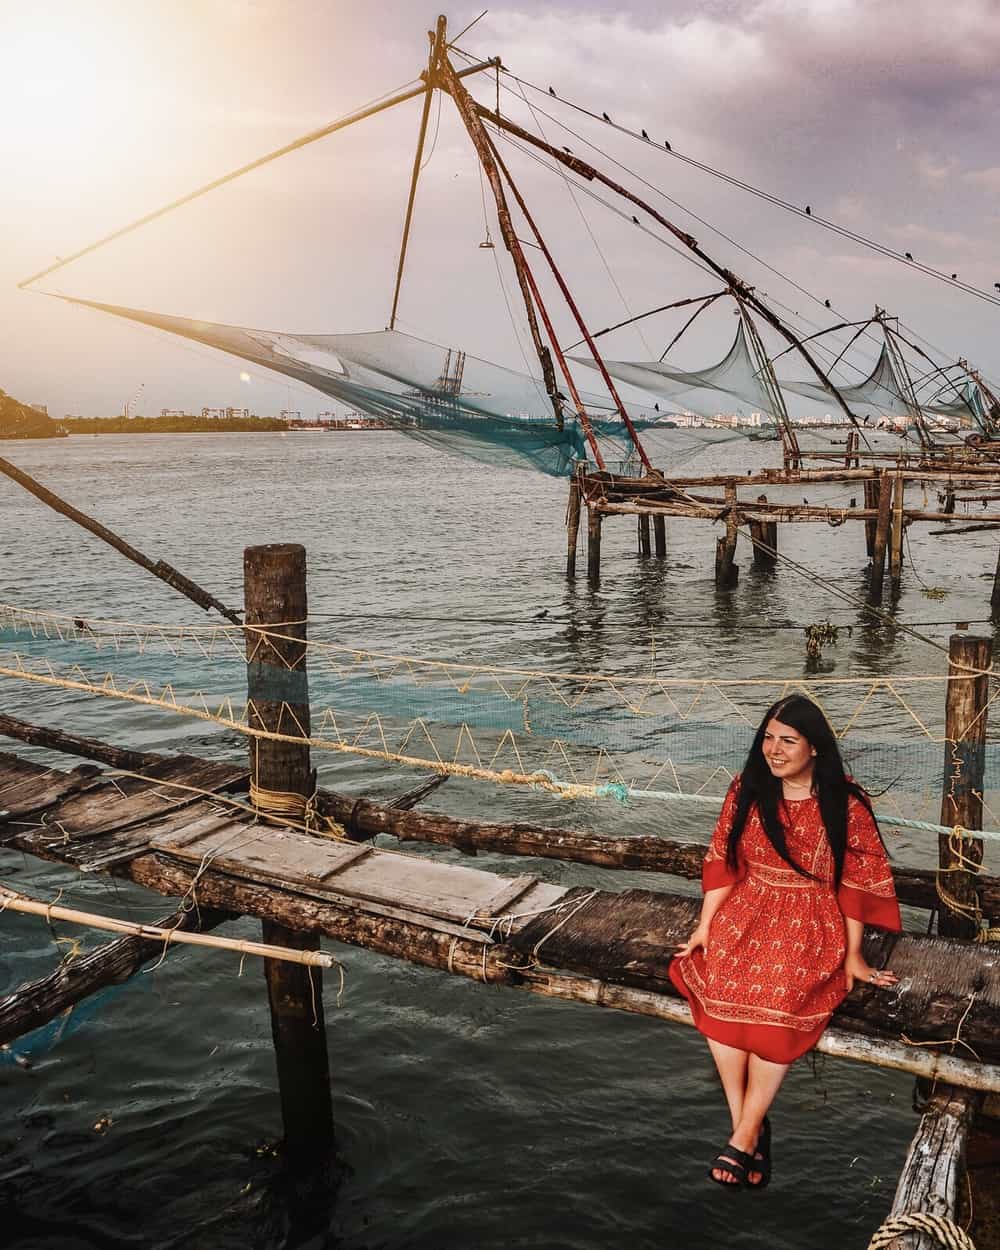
[288, 415]
[172, 412]
[238, 412]
[214, 413]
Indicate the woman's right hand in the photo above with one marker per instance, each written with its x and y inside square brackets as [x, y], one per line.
[699, 938]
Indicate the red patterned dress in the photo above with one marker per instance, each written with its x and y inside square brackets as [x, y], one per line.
[773, 974]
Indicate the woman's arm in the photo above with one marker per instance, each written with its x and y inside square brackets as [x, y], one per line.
[856, 968]
[711, 903]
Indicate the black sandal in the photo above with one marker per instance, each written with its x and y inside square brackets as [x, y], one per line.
[763, 1164]
[737, 1162]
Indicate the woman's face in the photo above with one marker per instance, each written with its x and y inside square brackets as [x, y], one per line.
[788, 755]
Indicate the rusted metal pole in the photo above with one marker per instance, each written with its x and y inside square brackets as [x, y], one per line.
[278, 696]
[966, 702]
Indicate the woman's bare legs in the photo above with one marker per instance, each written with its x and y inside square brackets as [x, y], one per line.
[750, 1085]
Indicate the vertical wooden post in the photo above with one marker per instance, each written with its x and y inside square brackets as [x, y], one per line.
[966, 701]
[660, 535]
[643, 527]
[896, 534]
[572, 526]
[882, 525]
[594, 519]
[278, 694]
[871, 505]
[727, 572]
[764, 535]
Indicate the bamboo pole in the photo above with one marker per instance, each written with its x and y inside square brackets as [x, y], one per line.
[278, 692]
[966, 703]
[11, 900]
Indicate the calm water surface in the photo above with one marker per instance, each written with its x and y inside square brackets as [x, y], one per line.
[468, 1117]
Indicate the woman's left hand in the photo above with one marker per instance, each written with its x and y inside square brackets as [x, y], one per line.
[856, 969]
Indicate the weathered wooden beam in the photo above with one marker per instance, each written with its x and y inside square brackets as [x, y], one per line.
[278, 695]
[74, 744]
[37, 1002]
[660, 536]
[645, 547]
[638, 852]
[498, 963]
[883, 522]
[593, 543]
[963, 478]
[935, 1165]
[896, 533]
[727, 571]
[966, 710]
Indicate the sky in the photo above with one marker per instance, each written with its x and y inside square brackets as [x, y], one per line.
[884, 118]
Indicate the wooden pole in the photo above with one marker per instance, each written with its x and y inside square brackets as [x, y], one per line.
[594, 519]
[660, 536]
[278, 692]
[966, 702]
[933, 1172]
[995, 597]
[643, 528]
[896, 534]
[572, 526]
[764, 536]
[871, 487]
[882, 524]
[727, 572]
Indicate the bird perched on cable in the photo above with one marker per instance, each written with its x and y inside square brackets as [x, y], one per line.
[569, 150]
[644, 135]
[954, 276]
[997, 285]
[656, 406]
[826, 303]
[804, 499]
[809, 211]
[635, 219]
[908, 255]
[666, 144]
[551, 91]
[606, 117]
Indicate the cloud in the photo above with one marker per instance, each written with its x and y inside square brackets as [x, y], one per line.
[988, 179]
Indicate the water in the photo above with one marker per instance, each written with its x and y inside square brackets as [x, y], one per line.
[467, 1116]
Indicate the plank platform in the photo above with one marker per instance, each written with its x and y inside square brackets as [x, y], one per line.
[445, 914]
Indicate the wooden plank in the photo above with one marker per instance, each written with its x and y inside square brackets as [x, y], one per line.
[508, 894]
[28, 795]
[120, 845]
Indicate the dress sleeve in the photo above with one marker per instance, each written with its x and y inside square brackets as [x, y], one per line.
[866, 890]
[715, 872]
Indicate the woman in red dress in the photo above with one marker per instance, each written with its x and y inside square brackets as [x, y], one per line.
[795, 870]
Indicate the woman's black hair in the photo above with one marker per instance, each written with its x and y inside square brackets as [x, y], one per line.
[830, 784]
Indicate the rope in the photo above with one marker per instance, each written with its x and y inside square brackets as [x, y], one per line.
[946, 1232]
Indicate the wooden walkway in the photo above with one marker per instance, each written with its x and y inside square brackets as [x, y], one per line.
[600, 946]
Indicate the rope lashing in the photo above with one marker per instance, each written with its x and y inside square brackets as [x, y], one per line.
[299, 807]
[944, 1230]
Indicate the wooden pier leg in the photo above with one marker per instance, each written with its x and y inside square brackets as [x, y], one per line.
[644, 547]
[896, 534]
[572, 526]
[871, 504]
[882, 525]
[727, 572]
[594, 519]
[764, 535]
[277, 687]
[660, 536]
[931, 1179]
[965, 714]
